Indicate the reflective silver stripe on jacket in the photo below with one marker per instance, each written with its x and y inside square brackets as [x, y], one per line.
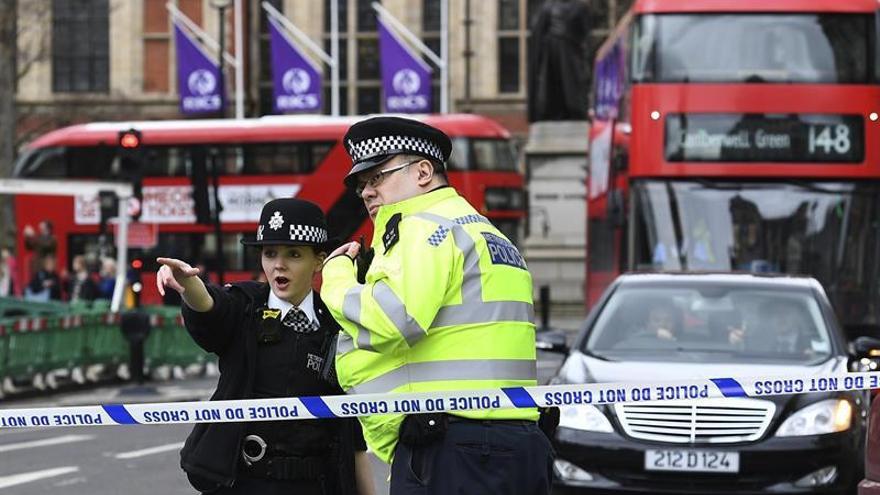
[351, 309]
[473, 309]
[344, 344]
[394, 309]
[460, 369]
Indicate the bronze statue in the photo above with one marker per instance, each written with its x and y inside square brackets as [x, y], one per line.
[558, 81]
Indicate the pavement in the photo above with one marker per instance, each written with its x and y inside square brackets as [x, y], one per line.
[190, 389]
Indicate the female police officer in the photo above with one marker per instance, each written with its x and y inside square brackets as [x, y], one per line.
[273, 339]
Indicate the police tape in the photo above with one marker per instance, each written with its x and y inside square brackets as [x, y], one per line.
[339, 406]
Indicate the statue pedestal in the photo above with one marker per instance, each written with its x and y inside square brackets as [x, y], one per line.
[555, 240]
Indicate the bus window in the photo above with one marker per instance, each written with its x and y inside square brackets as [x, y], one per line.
[460, 157]
[284, 158]
[43, 163]
[91, 161]
[493, 155]
[164, 161]
[875, 42]
[272, 158]
[236, 256]
[319, 151]
[231, 158]
[485, 154]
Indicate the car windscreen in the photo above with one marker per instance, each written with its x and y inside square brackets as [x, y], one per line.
[710, 323]
[822, 228]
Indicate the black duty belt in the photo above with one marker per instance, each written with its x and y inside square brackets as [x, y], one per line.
[259, 462]
[490, 422]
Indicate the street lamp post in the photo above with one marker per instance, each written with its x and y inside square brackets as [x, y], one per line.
[221, 6]
[217, 158]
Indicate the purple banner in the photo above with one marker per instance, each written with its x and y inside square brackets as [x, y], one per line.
[297, 83]
[198, 77]
[406, 79]
[610, 77]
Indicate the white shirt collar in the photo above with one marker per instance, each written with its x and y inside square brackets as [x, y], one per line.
[307, 305]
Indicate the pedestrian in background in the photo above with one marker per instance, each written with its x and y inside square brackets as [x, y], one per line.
[107, 278]
[7, 273]
[80, 286]
[38, 244]
[45, 285]
[444, 304]
[274, 339]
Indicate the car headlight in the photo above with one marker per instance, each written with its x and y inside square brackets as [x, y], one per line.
[827, 416]
[584, 418]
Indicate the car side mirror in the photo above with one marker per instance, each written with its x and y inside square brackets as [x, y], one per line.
[865, 347]
[552, 341]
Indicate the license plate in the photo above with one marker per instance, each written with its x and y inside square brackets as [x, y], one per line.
[704, 461]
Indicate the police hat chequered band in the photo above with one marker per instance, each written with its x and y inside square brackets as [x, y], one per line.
[307, 234]
[385, 145]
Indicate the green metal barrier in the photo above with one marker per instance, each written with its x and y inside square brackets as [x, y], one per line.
[4, 348]
[104, 341]
[155, 345]
[81, 338]
[67, 341]
[15, 307]
[27, 348]
[181, 349]
[101, 305]
[169, 343]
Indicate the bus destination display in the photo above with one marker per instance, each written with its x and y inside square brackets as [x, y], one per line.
[764, 138]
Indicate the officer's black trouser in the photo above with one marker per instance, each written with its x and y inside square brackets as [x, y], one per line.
[255, 486]
[477, 457]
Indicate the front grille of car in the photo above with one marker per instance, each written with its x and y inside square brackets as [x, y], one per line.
[697, 421]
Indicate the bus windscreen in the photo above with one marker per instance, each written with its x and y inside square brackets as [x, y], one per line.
[753, 48]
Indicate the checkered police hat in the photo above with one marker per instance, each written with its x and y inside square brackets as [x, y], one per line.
[291, 221]
[374, 141]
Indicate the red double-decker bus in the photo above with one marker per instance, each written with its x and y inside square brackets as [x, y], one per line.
[258, 160]
[740, 135]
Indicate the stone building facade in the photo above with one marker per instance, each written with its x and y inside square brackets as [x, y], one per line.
[88, 60]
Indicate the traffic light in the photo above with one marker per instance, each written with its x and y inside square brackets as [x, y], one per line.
[130, 139]
[108, 204]
[131, 162]
[136, 281]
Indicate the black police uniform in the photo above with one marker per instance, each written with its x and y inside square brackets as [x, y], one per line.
[263, 355]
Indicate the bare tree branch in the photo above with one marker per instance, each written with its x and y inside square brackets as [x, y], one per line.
[8, 56]
[33, 49]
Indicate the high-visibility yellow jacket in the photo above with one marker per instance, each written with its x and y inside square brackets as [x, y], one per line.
[447, 306]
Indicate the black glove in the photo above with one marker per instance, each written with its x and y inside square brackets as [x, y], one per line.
[548, 421]
[363, 260]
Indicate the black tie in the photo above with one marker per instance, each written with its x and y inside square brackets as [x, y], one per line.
[296, 320]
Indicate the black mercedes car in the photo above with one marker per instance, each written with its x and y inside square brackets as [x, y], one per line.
[653, 327]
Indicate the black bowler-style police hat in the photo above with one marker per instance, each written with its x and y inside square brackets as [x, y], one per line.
[376, 140]
[291, 221]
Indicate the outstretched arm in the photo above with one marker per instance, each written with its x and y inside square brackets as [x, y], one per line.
[183, 278]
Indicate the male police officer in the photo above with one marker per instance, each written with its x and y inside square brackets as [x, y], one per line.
[446, 304]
